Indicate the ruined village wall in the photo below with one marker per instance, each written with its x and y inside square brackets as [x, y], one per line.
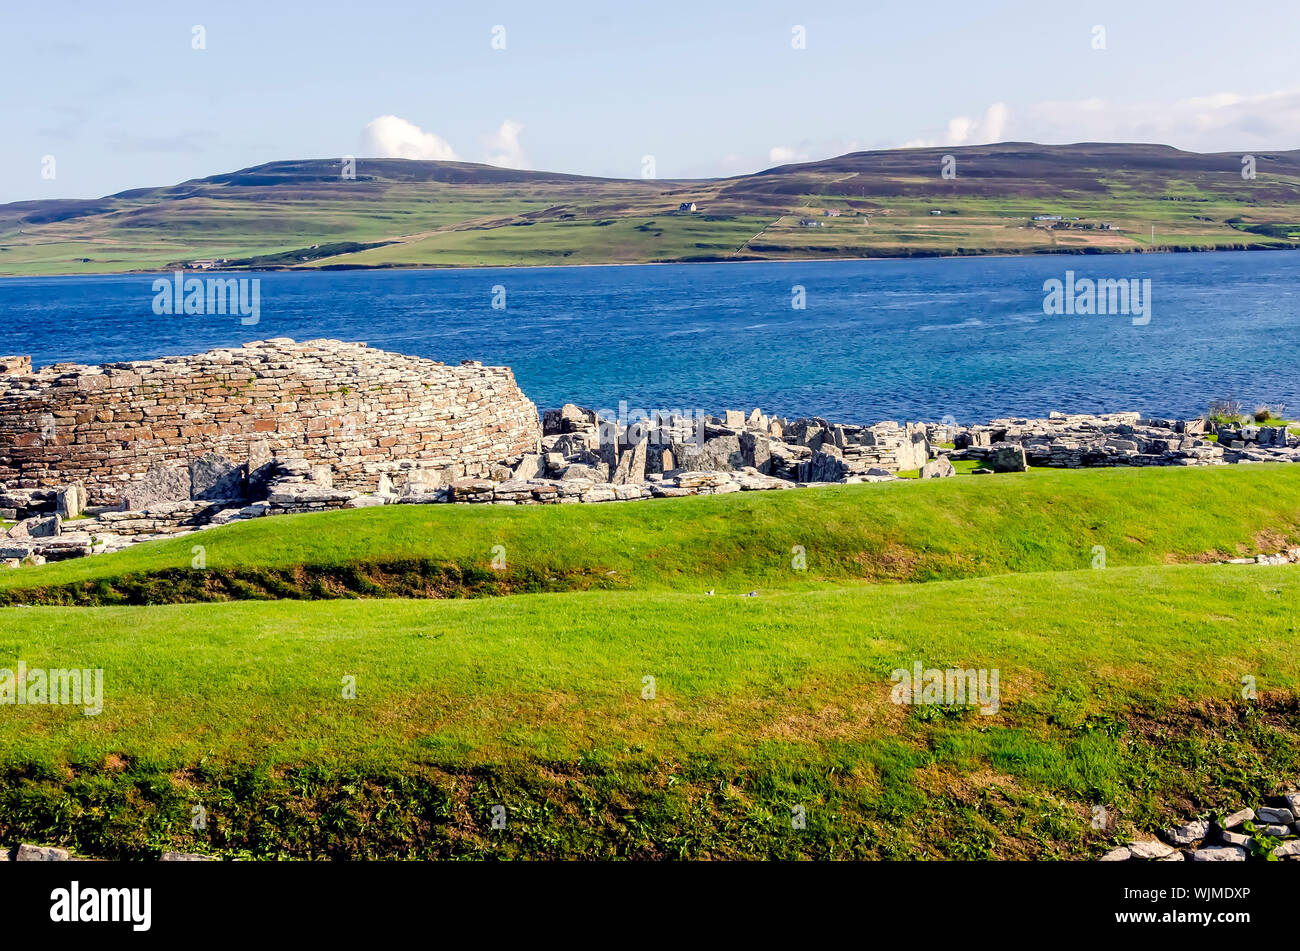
[357, 409]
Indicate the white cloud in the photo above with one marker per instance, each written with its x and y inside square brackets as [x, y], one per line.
[391, 137]
[503, 148]
[810, 151]
[784, 155]
[963, 130]
[1220, 122]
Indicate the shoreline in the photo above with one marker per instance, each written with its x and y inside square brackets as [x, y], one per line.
[906, 256]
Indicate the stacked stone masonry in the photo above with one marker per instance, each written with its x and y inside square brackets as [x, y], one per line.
[360, 411]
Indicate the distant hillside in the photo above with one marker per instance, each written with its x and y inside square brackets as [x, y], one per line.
[1087, 198]
[1022, 169]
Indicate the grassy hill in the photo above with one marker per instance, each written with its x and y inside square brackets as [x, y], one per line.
[1119, 687]
[414, 213]
[1045, 520]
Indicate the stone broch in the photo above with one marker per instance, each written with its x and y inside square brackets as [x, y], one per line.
[344, 405]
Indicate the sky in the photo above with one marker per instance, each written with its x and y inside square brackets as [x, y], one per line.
[100, 98]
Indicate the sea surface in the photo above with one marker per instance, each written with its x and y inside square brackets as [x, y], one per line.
[897, 339]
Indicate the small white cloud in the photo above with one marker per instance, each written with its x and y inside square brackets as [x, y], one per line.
[963, 130]
[784, 155]
[810, 150]
[503, 148]
[392, 137]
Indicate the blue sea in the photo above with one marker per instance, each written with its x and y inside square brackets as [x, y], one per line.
[897, 339]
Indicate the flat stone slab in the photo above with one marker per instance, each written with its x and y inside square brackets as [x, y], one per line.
[1219, 853]
[214, 476]
[306, 493]
[1275, 816]
[39, 853]
[1232, 820]
[1149, 849]
[366, 502]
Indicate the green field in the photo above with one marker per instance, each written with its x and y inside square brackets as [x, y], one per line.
[1046, 520]
[302, 214]
[1120, 686]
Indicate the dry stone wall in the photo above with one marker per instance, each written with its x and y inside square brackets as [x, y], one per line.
[360, 411]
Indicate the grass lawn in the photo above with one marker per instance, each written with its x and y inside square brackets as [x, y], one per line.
[1119, 687]
[552, 675]
[1043, 520]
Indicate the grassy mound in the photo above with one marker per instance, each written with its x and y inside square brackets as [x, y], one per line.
[1045, 520]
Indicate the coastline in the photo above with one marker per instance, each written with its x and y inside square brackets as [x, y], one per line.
[906, 256]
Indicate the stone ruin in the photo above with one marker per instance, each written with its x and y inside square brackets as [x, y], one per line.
[584, 458]
[1083, 441]
[578, 444]
[126, 431]
[167, 445]
[164, 447]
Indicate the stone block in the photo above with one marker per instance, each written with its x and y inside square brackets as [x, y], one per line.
[1219, 853]
[530, 466]
[259, 468]
[939, 468]
[40, 526]
[1149, 849]
[159, 484]
[214, 476]
[631, 465]
[1188, 833]
[37, 853]
[70, 501]
[1006, 457]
